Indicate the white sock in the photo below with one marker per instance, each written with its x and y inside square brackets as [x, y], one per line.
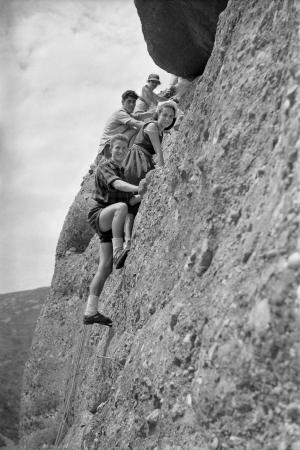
[91, 305]
[128, 243]
[117, 243]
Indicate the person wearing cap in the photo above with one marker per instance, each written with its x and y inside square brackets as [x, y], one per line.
[123, 121]
[148, 99]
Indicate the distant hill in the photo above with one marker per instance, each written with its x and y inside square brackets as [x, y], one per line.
[18, 315]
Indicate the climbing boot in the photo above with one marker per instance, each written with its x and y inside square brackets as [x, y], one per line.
[119, 257]
[97, 318]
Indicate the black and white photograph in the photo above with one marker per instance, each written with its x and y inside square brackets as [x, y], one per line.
[150, 225]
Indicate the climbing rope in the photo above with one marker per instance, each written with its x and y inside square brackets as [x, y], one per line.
[68, 402]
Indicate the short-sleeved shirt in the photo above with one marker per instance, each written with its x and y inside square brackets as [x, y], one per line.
[147, 99]
[104, 193]
[118, 123]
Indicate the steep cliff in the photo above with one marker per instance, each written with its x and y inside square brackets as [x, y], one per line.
[204, 353]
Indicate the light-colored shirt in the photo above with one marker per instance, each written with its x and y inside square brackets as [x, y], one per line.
[147, 100]
[119, 123]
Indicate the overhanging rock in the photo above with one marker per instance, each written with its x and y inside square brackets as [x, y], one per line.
[179, 33]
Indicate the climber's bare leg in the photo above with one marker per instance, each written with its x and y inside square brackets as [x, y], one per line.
[128, 229]
[113, 217]
[104, 268]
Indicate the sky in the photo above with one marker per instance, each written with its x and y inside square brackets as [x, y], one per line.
[64, 66]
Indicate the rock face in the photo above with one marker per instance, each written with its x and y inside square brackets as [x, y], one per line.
[204, 353]
[180, 34]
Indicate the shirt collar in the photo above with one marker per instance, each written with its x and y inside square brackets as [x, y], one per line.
[124, 110]
[115, 165]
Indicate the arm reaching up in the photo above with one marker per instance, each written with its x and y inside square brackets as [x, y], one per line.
[136, 124]
[152, 131]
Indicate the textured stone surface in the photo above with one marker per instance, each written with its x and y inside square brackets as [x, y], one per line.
[193, 361]
[75, 235]
[180, 34]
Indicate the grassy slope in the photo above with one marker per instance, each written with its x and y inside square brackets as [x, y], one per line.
[18, 315]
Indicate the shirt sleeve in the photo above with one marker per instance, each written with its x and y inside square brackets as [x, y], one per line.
[108, 174]
[152, 127]
[123, 117]
[142, 116]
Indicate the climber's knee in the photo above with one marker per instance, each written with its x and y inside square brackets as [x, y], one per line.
[121, 208]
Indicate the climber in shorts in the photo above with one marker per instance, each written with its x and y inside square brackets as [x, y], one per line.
[113, 199]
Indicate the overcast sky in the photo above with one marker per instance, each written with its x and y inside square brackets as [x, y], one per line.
[64, 65]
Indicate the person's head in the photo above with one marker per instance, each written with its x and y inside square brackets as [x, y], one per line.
[118, 147]
[153, 81]
[129, 100]
[166, 114]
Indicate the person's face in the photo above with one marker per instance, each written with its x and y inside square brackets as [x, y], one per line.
[165, 117]
[119, 151]
[153, 84]
[129, 104]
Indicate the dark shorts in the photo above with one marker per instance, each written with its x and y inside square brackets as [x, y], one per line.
[133, 209]
[93, 218]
